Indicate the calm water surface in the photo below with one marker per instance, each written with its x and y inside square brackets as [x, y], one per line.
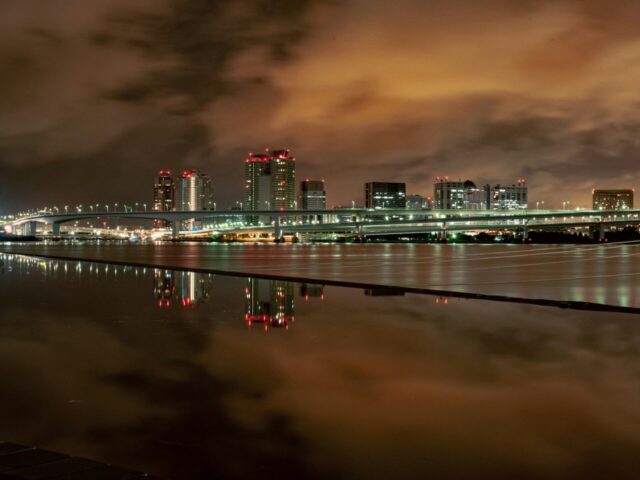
[191, 375]
[606, 274]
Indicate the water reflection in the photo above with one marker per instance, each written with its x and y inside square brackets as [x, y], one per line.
[365, 386]
[269, 303]
[188, 289]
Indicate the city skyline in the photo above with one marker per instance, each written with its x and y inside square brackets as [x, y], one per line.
[540, 90]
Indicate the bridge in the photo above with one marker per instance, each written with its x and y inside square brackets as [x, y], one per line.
[357, 221]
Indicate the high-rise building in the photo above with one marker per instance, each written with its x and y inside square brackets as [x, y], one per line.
[269, 181]
[195, 191]
[283, 180]
[164, 192]
[312, 195]
[507, 197]
[385, 195]
[612, 199]
[457, 195]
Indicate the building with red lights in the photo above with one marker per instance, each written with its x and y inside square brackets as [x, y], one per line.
[194, 191]
[270, 181]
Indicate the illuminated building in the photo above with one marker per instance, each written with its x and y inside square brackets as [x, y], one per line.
[269, 302]
[418, 202]
[312, 197]
[385, 195]
[283, 180]
[269, 181]
[457, 195]
[164, 192]
[612, 199]
[195, 192]
[507, 197]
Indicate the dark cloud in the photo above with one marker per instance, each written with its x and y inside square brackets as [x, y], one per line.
[357, 89]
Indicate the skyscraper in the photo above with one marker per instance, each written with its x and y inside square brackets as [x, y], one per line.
[269, 181]
[164, 192]
[283, 180]
[195, 191]
[385, 195]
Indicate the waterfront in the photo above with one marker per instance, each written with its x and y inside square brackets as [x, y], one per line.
[194, 375]
[604, 274]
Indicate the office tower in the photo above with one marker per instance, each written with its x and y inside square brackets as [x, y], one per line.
[612, 199]
[385, 195]
[269, 181]
[457, 195]
[283, 180]
[164, 192]
[257, 182]
[195, 191]
[312, 195]
[507, 197]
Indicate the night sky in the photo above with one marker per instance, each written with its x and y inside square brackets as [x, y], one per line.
[97, 96]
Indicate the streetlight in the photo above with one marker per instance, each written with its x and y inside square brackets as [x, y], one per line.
[145, 206]
[107, 207]
[66, 209]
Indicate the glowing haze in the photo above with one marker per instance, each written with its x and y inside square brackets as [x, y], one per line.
[95, 97]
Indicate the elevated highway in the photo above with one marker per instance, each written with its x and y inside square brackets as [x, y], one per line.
[356, 221]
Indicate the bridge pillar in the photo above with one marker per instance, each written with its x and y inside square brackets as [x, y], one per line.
[30, 228]
[175, 229]
[597, 232]
[277, 231]
[55, 228]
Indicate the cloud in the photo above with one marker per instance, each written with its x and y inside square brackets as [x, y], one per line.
[491, 91]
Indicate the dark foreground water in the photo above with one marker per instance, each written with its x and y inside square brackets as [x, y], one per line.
[197, 376]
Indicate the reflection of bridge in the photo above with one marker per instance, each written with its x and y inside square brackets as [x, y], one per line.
[360, 222]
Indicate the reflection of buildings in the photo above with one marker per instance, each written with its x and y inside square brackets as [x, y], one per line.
[189, 288]
[383, 292]
[312, 290]
[269, 302]
[163, 287]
